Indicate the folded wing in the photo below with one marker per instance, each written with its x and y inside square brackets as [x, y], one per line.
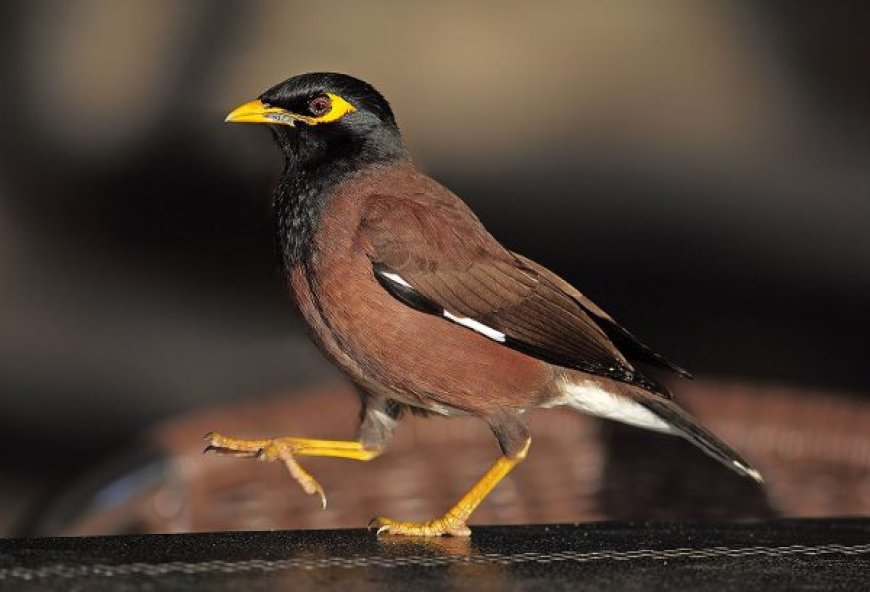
[438, 258]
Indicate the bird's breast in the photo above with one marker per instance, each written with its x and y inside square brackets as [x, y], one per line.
[418, 358]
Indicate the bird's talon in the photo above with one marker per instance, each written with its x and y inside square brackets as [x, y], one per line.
[432, 528]
[311, 486]
[267, 451]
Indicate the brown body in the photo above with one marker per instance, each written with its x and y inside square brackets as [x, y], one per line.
[405, 291]
[385, 346]
[394, 352]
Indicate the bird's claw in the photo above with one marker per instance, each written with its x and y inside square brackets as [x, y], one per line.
[267, 451]
[446, 525]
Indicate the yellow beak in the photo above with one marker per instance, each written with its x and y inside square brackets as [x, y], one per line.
[257, 111]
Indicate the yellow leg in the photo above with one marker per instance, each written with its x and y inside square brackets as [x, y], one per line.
[453, 522]
[284, 449]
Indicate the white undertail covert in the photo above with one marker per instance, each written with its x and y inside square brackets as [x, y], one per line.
[589, 397]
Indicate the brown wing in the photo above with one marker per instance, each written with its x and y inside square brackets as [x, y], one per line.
[630, 345]
[436, 256]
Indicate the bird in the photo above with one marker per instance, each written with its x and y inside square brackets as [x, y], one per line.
[403, 289]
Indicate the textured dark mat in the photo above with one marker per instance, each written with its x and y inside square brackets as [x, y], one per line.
[777, 555]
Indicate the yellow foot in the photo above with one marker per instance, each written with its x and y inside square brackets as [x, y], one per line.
[446, 525]
[267, 451]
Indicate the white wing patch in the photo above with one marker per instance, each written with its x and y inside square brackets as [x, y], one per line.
[590, 398]
[396, 278]
[476, 326]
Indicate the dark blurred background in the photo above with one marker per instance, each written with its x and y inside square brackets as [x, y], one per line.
[700, 169]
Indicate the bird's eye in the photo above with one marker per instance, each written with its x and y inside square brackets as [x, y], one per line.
[319, 106]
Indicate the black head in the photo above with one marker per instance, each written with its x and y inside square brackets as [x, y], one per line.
[324, 118]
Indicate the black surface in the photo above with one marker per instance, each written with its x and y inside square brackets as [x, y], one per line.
[780, 555]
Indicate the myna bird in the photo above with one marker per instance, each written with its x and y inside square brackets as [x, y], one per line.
[404, 290]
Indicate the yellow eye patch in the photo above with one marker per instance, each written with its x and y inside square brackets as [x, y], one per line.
[338, 108]
[258, 112]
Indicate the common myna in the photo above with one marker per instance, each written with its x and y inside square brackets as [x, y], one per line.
[405, 291]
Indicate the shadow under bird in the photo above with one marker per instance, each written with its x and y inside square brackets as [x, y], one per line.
[405, 291]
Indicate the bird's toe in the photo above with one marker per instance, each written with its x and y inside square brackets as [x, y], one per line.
[432, 528]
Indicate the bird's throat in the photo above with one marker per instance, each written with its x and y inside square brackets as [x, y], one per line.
[299, 200]
[311, 173]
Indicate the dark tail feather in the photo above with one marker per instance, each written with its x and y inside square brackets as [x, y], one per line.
[689, 428]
